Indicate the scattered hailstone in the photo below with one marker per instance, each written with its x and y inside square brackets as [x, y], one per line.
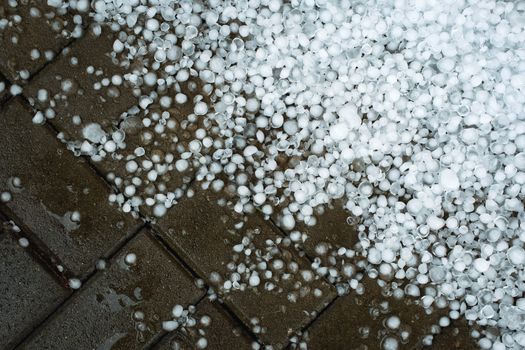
[131, 259]
[6, 197]
[15, 90]
[94, 133]
[411, 113]
[23, 242]
[75, 283]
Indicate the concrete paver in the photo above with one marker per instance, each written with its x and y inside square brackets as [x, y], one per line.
[33, 35]
[203, 233]
[28, 292]
[51, 187]
[123, 306]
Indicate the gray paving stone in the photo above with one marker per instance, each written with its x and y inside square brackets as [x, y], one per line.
[28, 292]
[346, 322]
[40, 28]
[203, 233]
[105, 312]
[55, 184]
[106, 107]
[222, 333]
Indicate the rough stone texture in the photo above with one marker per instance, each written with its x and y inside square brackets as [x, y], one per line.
[55, 184]
[28, 292]
[44, 31]
[103, 314]
[343, 324]
[222, 333]
[203, 233]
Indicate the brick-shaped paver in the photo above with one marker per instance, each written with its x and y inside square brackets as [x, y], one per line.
[221, 332]
[203, 233]
[122, 307]
[31, 34]
[359, 322]
[51, 187]
[85, 67]
[332, 228]
[67, 86]
[28, 292]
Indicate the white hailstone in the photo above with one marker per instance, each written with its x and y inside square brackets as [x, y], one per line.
[5, 197]
[442, 131]
[170, 326]
[446, 64]
[469, 135]
[201, 108]
[39, 118]
[259, 198]
[339, 132]
[374, 256]
[101, 265]
[23, 242]
[516, 255]
[519, 161]
[277, 120]
[449, 180]
[414, 206]
[275, 5]
[110, 146]
[481, 265]
[348, 114]
[131, 166]
[250, 151]
[93, 132]
[177, 311]
[159, 210]
[131, 258]
[252, 105]
[202, 343]
[118, 46]
[145, 101]
[288, 222]
[15, 90]
[393, 322]
[181, 165]
[390, 343]
[83, 5]
[74, 283]
[254, 280]
[87, 148]
[434, 223]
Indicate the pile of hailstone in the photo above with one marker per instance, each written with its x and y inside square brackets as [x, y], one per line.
[411, 112]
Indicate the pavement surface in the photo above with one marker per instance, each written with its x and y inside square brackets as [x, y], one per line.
[121, 305]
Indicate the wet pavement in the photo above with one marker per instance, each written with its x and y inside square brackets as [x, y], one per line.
[68, 228]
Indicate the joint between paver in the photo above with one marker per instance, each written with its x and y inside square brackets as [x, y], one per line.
[37, 247]
[84, 280]
[159, 237]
